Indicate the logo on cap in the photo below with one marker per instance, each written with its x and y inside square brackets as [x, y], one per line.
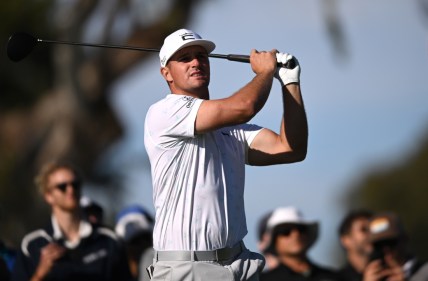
[188, 36]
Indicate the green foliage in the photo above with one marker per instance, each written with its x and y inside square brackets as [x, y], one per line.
[73, 119]
[404, 190]
[29, 16]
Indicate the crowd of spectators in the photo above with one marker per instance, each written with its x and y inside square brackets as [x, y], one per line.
[76, 243]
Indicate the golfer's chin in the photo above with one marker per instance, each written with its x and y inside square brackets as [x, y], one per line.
[201, 81]
[200, 84]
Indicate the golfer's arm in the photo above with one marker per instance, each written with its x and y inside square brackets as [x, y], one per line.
[236, 109]
[290, 145]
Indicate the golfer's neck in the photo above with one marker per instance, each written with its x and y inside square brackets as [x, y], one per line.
[199, 93]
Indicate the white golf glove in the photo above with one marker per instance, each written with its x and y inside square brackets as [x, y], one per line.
[285, 75]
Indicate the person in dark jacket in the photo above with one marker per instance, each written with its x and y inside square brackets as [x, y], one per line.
[134, 225]
[7, 260]
[69, 247]
[291, 238]
[391, 257]
[354, 233]
[263, 242]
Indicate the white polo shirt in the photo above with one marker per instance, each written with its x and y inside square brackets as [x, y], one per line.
[198, 180]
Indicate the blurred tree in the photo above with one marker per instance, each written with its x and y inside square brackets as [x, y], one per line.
[335, 30]
[55, 103]
[403, 189]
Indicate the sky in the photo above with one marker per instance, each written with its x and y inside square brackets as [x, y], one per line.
[364, 112]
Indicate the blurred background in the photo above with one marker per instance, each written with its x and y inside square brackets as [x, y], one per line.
[364, 81]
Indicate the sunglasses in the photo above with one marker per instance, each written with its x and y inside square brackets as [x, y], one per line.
[63, 186]
[287, 229]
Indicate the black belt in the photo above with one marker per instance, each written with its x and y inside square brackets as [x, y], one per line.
[214, 255]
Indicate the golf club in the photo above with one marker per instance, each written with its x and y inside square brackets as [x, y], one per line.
[21, 44]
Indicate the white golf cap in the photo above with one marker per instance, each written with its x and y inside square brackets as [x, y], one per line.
[180, 39]
[133, 221]
[290, 215]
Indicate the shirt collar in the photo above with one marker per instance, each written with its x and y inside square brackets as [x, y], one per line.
[85, 229]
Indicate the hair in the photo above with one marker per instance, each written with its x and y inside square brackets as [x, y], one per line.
[346, 224]
[262, 225]
[42, 178]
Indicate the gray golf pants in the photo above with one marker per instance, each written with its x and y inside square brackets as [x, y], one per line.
[246, 266]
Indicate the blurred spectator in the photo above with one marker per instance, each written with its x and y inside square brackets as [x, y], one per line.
[4, 270]
[263, 242]
[353, 234]
[7, 257]
[135, 226]
[291, 238]
[69, 247]
[391, 257]
[92, 211]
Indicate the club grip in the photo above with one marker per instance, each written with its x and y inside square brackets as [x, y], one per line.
[244, 58]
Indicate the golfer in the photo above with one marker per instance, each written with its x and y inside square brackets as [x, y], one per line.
[198, 149]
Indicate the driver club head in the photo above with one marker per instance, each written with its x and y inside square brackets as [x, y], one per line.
[20, 45]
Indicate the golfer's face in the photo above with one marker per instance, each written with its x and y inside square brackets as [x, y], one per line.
[189, 69]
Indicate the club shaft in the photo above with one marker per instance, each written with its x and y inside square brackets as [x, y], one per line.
[230, 57]
[99, 45]
[240, 58]
[244, 58]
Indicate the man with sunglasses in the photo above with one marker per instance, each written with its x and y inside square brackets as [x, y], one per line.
[291, 238]
[69, 247]
[391, 258]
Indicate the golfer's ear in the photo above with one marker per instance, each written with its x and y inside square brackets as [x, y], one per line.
[166, 73]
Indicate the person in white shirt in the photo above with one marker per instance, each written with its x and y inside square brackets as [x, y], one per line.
[198, 148]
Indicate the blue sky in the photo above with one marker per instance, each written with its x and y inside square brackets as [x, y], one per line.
[366, 112]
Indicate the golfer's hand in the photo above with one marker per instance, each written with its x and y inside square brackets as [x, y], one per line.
[48, 256]
[285, 75]
[263, 62]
